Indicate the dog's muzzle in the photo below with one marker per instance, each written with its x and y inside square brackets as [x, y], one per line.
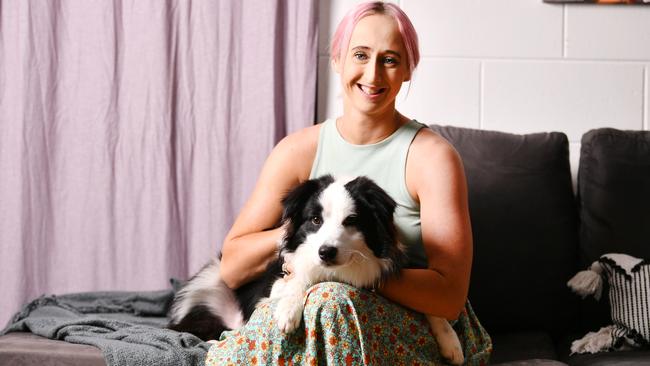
[327, 254]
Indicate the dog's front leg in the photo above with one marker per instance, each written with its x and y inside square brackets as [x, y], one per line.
[288, 312]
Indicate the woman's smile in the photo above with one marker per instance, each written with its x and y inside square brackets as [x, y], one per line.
[371, 92]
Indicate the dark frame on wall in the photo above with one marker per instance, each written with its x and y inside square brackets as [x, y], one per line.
[626, 2]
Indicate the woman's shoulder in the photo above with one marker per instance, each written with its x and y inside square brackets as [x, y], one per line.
[306, 135]
[430, 144]
[429, 149]
[297, 151]
[303, 140]
[433, 166]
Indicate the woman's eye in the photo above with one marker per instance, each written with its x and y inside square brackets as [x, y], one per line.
[360, 56]
[316, 220]
[390, 61]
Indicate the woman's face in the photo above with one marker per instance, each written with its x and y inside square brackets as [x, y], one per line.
[375, 65]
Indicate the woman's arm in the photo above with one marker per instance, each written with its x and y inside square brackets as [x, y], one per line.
[435, 176]
[251, 243]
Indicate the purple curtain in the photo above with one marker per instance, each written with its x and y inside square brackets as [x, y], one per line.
[131, 133]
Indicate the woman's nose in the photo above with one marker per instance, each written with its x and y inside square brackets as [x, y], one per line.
[372, 71]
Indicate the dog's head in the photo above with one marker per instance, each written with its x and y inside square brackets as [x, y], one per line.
[344, 227]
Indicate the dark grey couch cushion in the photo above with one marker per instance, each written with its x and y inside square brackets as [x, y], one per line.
[619, 358]
[614, 202]
[524, 222]
[614, 193]
[531, 362]
[518, 346]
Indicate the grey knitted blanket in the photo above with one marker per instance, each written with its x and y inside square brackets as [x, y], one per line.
[128, 327]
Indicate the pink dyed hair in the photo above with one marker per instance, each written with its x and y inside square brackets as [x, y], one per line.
[341, 39]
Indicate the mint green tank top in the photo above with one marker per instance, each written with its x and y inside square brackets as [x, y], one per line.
[385, 163]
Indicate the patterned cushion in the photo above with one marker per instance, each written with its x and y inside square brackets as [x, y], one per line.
[629, 297]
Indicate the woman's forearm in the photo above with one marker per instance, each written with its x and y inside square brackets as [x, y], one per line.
[426, 291]
[244, 258]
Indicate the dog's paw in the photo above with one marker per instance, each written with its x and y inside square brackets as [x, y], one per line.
[278, 289]
[288, 314]
[448, 342]
[451, 350]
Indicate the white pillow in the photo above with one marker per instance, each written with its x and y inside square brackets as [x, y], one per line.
[629, 298]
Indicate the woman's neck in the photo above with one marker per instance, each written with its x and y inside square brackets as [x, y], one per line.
[362, 129]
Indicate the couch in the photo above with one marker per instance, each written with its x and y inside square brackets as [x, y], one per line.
[532, 233]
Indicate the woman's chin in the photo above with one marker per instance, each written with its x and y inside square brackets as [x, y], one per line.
[369, 108]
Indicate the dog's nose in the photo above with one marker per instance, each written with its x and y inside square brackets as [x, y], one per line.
[327, 253]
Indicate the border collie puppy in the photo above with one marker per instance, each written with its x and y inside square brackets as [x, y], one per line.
[335, 230]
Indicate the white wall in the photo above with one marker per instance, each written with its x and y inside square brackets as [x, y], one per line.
[517, 66]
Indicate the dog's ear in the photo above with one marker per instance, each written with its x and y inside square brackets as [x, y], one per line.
[294, 202]
[366, 192]
[376, 209]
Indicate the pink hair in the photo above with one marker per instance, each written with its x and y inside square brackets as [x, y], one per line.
[341, 39]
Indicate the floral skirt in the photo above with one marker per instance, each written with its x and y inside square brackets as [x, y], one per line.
[343, 325]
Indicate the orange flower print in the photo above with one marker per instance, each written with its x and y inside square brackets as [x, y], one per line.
[349, 359]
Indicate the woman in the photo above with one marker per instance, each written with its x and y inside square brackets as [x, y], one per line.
[374, 50]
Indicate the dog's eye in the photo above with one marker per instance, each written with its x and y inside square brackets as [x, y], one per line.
[316, 220]
[350, 220]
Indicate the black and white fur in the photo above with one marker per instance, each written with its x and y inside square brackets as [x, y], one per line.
[335, 230]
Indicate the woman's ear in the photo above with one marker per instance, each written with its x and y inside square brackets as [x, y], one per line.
[336, 64]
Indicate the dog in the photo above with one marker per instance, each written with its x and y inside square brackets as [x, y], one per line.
[334, 230]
